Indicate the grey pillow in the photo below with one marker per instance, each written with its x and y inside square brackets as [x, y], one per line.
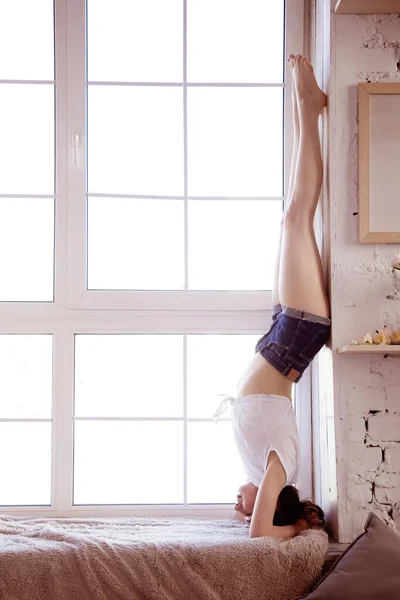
[368, 570]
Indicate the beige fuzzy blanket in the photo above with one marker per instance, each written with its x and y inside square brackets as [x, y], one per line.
[152, 559]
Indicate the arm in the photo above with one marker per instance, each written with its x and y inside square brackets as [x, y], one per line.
[273, 482]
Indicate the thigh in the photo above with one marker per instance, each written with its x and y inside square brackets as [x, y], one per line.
[275, 290]
[301, 283]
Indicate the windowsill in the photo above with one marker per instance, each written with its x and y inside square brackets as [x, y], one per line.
[334, 551]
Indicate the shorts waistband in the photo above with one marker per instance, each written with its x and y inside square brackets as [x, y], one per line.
[306, 316]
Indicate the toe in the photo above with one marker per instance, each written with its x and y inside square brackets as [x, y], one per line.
[308, 64]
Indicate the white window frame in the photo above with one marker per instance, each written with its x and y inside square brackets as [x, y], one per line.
[77, 310]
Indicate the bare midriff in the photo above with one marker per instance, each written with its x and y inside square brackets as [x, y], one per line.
[261, 377]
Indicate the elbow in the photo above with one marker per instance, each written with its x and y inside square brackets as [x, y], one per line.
[257, 533]
[252, 534]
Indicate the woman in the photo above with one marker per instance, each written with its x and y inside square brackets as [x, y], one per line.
[264, 423]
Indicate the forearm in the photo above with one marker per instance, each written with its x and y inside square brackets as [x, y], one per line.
[261, 524]
[285, 532]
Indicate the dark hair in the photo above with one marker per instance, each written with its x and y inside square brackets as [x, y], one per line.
[290, 508]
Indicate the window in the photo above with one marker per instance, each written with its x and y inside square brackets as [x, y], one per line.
[140, 203]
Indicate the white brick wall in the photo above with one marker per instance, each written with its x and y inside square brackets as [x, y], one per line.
[393, 397]
[387, 488]
[371, 459]
[360, 455]
[357, 430]
[362, 493]
[384, 428]
[361, 400]
[392, 459]
[363, 287]
[396, 515]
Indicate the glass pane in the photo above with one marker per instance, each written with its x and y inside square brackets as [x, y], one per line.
[144, 40]
[223, 358]
[244, 40]
[25, 376]
[145, 244]
[214, 468]
[27, 239]
[128, 462]
[26, 39]
[27, 139]
[135, 137]
[242, 240]
[235, 141]
[115, 375]
[25, 463]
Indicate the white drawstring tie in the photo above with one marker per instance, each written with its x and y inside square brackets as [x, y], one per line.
[223, 406]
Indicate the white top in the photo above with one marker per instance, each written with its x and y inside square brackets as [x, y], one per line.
[263, 423]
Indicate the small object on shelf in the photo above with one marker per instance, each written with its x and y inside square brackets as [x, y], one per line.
[366, 339]
[395, 337]
[396, 263]
[381, 343]
[382, 338]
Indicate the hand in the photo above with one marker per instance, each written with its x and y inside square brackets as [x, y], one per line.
[312, 517]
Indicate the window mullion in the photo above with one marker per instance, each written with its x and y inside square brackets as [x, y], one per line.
[76, 149]
[185, 148]
[61, 153]
[62, 443]
[185, 420]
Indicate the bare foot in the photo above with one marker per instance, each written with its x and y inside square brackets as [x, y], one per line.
[290, 59]
[307, 89]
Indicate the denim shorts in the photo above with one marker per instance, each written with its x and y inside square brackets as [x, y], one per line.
[294, 339]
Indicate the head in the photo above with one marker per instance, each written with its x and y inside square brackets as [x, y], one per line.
[246, 499]
[289, 507]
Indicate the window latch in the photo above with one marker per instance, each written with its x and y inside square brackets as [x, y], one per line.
[76, 146]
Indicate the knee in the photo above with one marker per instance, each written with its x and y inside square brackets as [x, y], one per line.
[296, 216]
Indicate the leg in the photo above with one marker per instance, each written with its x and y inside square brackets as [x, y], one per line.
[300, 271]
[301, 282]
[296, 136]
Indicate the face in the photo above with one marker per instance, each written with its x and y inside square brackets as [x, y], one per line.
[246, 498]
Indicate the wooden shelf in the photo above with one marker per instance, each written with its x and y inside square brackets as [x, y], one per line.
[367, 7]
[369, 349]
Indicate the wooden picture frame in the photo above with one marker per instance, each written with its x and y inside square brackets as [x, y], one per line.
[379, 149]
[367, 6]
